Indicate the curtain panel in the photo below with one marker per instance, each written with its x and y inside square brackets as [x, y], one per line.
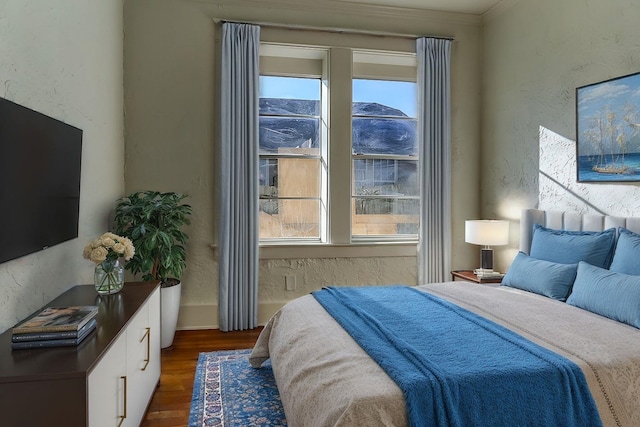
[238, 186]
[434, 136]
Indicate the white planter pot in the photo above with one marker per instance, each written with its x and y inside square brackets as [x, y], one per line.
[169, 308]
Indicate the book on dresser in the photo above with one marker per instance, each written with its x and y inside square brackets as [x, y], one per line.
[52, 339]
[60, 335]
[57, 319]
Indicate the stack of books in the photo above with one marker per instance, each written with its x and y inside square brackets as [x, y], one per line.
[488, 274]
[55, 327]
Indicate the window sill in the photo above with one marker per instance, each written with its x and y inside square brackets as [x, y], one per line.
[354, 250]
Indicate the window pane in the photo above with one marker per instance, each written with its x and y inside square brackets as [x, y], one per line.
[283, 103]
[299, 178]
[384, 216]
[384, 117]
[291, 89]
[388, 177]
[268, 173]
[289, 107]
[384, 98]
[291, 218]
[384, 136]
[289, 178]
[289, 185]
[277, 133]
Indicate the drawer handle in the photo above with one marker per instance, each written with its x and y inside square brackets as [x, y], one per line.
[147, 335]
[124, 415]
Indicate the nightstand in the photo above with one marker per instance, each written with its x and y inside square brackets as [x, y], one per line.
[470, 276]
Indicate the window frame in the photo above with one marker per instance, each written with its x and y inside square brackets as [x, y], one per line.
[340, 66]
[322, 194]
[302, 62]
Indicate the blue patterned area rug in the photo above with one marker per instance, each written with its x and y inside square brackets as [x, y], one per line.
[228, 392]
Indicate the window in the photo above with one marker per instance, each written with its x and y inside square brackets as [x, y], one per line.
[290, 163]
[354, 181]
[385, 160]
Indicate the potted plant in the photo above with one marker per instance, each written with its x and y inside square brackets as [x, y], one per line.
[153, 221]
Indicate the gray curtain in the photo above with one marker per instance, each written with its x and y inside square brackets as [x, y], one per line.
[434, 136]
[238, 191]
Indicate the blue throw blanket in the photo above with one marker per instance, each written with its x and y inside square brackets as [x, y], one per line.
[456, 368]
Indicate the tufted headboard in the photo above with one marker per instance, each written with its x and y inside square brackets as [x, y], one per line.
[569, 221]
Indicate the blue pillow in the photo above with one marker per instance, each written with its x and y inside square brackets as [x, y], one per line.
[607, 293]
[546, 278]
[626, 258]
[571, 247]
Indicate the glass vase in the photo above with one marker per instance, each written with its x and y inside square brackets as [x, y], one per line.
[109, 277]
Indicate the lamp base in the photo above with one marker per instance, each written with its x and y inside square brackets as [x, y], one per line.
[486, 260]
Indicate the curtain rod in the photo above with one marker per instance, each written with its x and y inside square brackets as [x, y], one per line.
[332, 30]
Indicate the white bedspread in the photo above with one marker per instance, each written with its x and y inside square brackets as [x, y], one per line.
[326, 379]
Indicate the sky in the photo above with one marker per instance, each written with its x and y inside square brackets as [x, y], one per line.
[400, 95]
[615, 96]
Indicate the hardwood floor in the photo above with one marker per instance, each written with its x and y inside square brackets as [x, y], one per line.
[171, 402]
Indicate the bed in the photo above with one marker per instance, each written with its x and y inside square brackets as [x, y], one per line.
[325, 378]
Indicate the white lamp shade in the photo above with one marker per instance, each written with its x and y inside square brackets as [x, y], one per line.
[486, 232]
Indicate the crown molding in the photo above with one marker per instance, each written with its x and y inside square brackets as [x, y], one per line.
[498, 10]
[346, 8]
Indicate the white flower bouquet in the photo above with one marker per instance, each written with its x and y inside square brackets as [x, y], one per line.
[105, 252]
[109, 247]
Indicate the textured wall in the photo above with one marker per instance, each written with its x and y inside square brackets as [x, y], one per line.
[170, 51]
[535, 55]
[559, 189]
[313, 274]
[64, 59]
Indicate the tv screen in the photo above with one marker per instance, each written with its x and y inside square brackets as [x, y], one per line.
[39, 181]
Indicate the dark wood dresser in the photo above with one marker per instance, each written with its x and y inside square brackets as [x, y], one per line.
[107, 380]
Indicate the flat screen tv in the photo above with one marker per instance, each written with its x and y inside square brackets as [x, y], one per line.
[39, 181]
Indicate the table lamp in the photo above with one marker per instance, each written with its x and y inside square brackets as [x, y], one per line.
[486, 233]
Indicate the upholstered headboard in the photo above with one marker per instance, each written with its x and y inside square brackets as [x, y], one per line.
[569, 221]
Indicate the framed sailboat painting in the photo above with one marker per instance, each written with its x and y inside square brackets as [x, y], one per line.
[608, 130]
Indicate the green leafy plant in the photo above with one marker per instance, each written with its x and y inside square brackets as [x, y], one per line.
[153, 222]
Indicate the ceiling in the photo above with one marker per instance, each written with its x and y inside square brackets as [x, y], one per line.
[475, 7]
